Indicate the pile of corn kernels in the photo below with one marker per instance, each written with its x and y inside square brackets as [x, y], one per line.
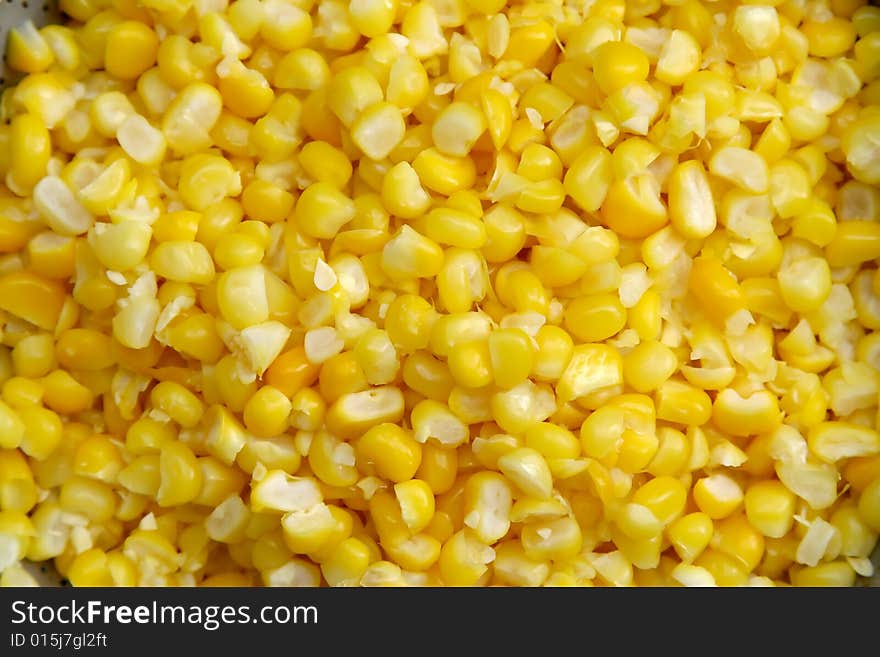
[441, 292]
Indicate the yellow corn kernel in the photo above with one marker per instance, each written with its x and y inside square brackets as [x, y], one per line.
[552, 441]
[736, 538]
[408, 322]
[745, 416]
[411, 255]
[277, 452]
[591, 368]
[291, 371]
[29, 151]
[528, 470]
[402, 192]
[109, 110]
[854, 242]
[178, 403]
[716, 288]
[774, 142]
[632, 156]
[836, 573]
[682, 403]
[12, 429]
[758, 27]
[522, 406]
[97, 457]
[512, 357]
[92, 498]
[242, 296]
[462, 281]
[770, 507]
[589, 177]
[191, 116]
[538, 162]
[679, 57]
[284, 26]
[513, 567]
[235, 250]
[341, 375]
[416, 500]
[617, 64]
[332, 460]
[556, 267]
[741, 167]
[869, 505]
[378, 130]
[264, 201]
[718, 496]
[498, 116]
[408, 83]
[648, 366]
[691, 207]
[45, 545]
[632, 207]
[18, 492]
[280, 492]
[19, 391]
[142, 475]
[386, 514]
[544, 196]
[595, 318]
[454, 228]
[245, 91]
[464, 559]
[90, 568]
[347, 563]
[673, 452]
[427, 376]
[457, 128]
[470, 364]
[505, 233]
[830, 38]
[27, 50]
[310, 529]
[816, 223]
[644, 318]
[832, 441]
[554, 350]
[33, 356]
[664, 496]
[131, 48]
[267, 412]
[377, 357]
[354, 413]
[390, 451]
[487, 451]
[433, 420]
[180, 475]
[84, 349]
[638, 522]
[206, 180]
[308, 409]
[122, 246]
[556, 539]
[228, 521]
[441, 173]
[690, 535]
[520, 289]
[439, 467]
[805, 284]
[301, 69]
[351, 91]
